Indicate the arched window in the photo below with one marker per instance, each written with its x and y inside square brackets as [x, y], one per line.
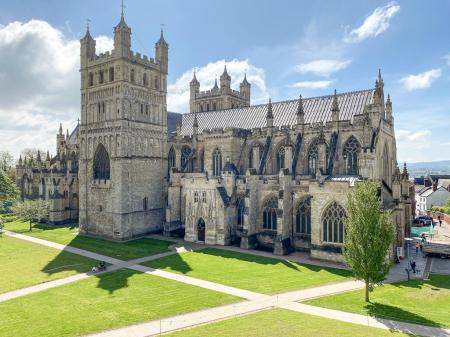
[132, 76]
[172, 158]
[333, 223]
[91, 79]
[281, 156]
[303, 217]
[207, 107]
[313, 158]
[240, 207]
[101, 163]
[101, 76]
[386, 165]
[270, 214]
[351, 151]
[217, 162]
[73, 162]
[156, 83]
[201, 107]
[144, 79]
[111, 74]
[214, 106]
[186, 163]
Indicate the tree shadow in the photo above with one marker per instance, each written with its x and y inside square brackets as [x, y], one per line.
[391, 314]
[174, 262]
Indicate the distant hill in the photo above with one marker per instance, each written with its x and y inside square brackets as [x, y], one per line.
[431, 167]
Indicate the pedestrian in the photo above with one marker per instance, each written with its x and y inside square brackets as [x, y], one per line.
[417, 248]
[413, 266]
[440, 221]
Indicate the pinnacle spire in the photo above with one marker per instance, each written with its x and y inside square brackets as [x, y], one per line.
[300, 110]
[269, 110]
[245, 82]
[194, 79]
[225, 74]
[215, 84]
[161, 38]
[334, 105]
[195, 124]
[48, 156]
[60, 129]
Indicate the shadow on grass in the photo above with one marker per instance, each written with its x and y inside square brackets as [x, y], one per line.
[392, 314]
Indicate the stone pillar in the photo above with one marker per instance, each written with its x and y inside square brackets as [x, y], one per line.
[255, 157]
[288, 157]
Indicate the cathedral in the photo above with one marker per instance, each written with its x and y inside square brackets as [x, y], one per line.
[273, 176]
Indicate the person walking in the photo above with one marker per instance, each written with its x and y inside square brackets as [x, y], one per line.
[413, 266]
[440, 221]
[417, 248]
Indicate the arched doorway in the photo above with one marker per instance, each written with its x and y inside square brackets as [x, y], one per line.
[201, 229]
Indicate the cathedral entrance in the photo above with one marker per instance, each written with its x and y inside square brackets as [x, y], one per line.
[201, 230]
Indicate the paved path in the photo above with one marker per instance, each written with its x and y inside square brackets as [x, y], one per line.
[255, 301]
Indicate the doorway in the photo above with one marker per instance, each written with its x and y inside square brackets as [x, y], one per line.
[201, 230]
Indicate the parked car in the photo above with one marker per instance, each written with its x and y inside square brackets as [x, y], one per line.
[428, 219]
[417, 222]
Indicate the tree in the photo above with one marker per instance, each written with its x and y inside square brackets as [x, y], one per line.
[369, 234]
[2, 225]
[8, 189]
[6, 160]
[31, 210]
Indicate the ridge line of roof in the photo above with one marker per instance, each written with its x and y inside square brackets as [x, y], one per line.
[284, 101]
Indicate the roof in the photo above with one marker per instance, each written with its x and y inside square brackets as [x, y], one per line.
[74, 135]
[317, 109]
[444, 183]
[426, 192]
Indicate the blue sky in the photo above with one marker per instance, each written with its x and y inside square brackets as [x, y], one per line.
[286, 48]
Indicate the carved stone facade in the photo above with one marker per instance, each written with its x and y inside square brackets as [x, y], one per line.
[123, 138]
[54, 178]
[219, 98]
[282, 187]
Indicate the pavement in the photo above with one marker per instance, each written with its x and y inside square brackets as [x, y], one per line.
[253, 301]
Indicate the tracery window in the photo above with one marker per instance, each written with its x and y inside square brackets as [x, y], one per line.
[217, 162]
[132, 76]
[91, 79]
[172, 158]
[351, 152]
[270, 214]
[240, 207]
[303, 217]
[313, 158]
[186, 164]
[101, 163]
[281, 157]
[101, 76]
[111, 74]
[144, 79]
[333, 223]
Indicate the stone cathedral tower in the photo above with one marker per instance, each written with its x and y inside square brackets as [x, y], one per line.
[123, 137]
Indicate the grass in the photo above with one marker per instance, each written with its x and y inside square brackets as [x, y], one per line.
[25, 264]
[103, 302]
[425, 302]
[250, 272]
[284, 323]
[68, 235]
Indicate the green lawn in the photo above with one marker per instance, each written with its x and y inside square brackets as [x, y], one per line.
[103, 302]
[68, 235]
[24, 264]
[284, 323]
[246, 271]
[416, 301]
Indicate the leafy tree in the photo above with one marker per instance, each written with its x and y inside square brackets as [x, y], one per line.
[8, 189]
[2, 225]
[32, 210]
[369, 234]
[6, 160]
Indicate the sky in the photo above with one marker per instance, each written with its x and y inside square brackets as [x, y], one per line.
[286, 48]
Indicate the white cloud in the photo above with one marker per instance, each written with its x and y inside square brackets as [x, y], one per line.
[322, 67]
[447, 57]
[313, 85]
[178, 92]
[413, 136]
[420, 81]
[375, 24]
[39, 85]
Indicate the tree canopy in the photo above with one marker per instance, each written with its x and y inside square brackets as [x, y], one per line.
[8, 189]
[32, 210]
[369, 235]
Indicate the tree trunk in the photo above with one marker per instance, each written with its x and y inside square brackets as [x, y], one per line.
[30, 225]
[367, 292]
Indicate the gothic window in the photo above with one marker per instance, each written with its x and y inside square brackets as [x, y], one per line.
[144, 79]
[281, 156]
[351, 151]
[201, 107]
[313, 158]
[101, 77]
[73, 162]
[111, 74]
[132, 76]
[270, 214]
[156, 83]
[91, 79]
[142, 109]
[207, 107]
[333, 223]
[195, 196]
[101, 163]
[240, 207]
[203, 196]
[217, 162]
[214, 106]
[303, 217]
[172, 158]
[145, 203]
[146, 109]
[186, 163]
